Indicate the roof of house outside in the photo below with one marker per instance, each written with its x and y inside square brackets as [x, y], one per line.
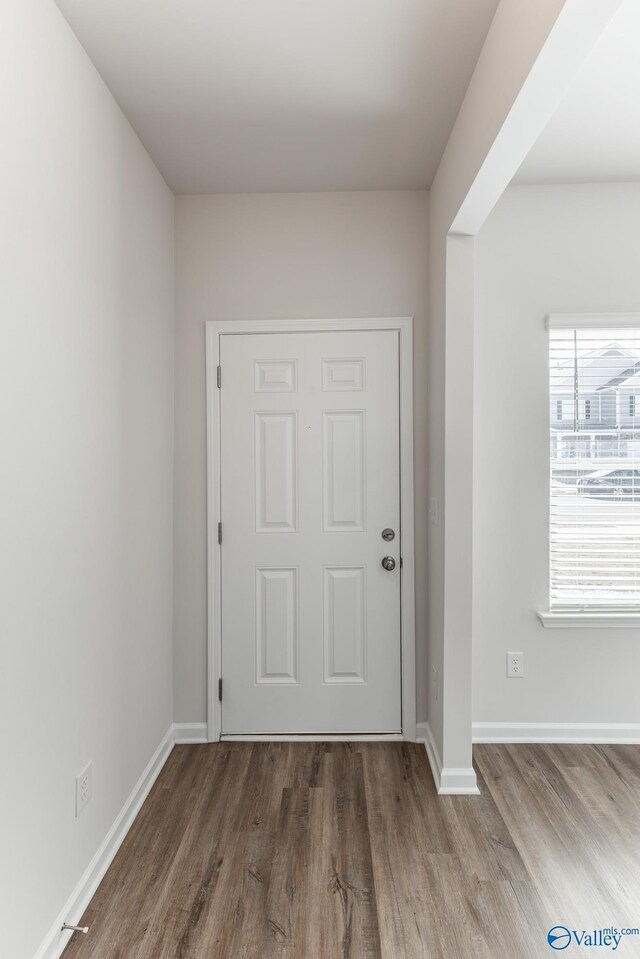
[604, 369]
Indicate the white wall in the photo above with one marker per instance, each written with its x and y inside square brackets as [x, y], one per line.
[86, 392]
[529, 59]
[282, 255]
[543, 249]
[490, 109]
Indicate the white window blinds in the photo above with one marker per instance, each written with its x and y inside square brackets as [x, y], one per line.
[594, 376]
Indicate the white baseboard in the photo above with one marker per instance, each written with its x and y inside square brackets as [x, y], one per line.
[556, 733]
[190, 733]
[450, 781]
[55, 941]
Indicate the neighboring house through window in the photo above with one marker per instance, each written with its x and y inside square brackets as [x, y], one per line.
[594, 366]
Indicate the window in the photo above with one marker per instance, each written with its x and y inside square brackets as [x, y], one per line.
[585, 409]
[595, 464]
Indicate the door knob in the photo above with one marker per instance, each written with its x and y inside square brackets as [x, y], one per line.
[389, 563]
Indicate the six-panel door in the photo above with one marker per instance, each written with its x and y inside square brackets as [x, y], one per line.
[309, 480]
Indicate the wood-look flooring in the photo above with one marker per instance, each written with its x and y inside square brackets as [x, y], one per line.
[344, 851]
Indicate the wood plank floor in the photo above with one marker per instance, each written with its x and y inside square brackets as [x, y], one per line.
[344, 851]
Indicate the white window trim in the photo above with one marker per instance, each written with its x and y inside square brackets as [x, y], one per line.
[581, 618]
[562, 619]
[593, 321]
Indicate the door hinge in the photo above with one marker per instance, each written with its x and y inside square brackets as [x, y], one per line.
[219, 534]
[401, 562]
[220, 689]
[219, 377]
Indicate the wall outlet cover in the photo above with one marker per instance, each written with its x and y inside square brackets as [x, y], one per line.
[515, 665]
[84, 787]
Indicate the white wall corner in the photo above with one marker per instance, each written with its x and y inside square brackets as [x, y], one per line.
[56, 941]
[449, 781]
[530, 56]
[190, 733]
[545, 61]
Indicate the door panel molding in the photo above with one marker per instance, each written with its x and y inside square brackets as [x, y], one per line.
[339, 376]
[276, 472]
[282, 378]
[277, 630]
[344, 480]
[344, 627]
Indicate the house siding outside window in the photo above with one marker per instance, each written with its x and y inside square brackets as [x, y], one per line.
[594, 375]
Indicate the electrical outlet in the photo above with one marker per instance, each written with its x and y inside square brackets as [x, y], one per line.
[84, 788]
[433, 511]
[515, 665]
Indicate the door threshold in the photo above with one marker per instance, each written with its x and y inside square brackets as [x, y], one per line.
[312, 737]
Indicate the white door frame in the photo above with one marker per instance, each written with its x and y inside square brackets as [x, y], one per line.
[213, 331]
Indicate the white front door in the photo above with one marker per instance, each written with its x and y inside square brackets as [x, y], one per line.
[309, 482]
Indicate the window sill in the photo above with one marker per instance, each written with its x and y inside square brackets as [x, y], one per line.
[579, 619]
